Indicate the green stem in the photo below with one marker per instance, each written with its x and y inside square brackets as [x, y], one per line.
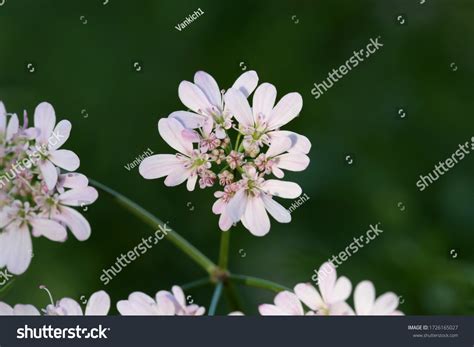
[237, 141]
[224, 250]
[215, 298]
[196, 284]
[258, 283]
[154, 222]
[232, 296]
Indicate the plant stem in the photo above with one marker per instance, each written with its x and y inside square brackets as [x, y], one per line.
[215, 298]
[196, 284]
[224, 250]
[232, 296]
[237, 141]
[258, 283]
[154, 222]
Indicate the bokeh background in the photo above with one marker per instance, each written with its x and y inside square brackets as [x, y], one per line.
[87, 72]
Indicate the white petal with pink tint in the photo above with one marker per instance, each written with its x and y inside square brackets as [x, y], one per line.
[16, 248]
[209, 86]
[45, 119]
[255, 217]
[25, 310]
[299, 142]
[278, 146]
[79, 197]
[193, 97]
[98, 304]
[159, 165]
[364, 298]
[3, 118]
[239, 107]
[285, 110]
[189, 120]
[13, 126]
[71, 307]
[327, 280]
[237, 205]
[171, 131]
[277, 211]
[65, 159]
[263, 101]
[293, 161]
[60, 134]
[178, 176]
[5, 309]
[49, 173]
[283, 189]
[75, 221]
[246, 83]
[385, 304]
[73, 180]
[309, 296]
[49, 229]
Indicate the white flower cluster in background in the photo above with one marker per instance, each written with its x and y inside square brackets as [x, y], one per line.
[224, 141]
[38, 186]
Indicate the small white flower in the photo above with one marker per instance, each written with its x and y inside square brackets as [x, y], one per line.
[286, 304]
[18, 310]
[97, 305]
[366, 304]
[179, 300]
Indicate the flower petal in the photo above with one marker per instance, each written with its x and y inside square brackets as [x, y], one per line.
[364, 298]
[209, 86]
[289, 302]
[239, 107]
[309, 296]
[178, 176]
[271, 310]
[277, 211]
[60, 135]
[283, 189]
[193, 98]
[191, 183]
[71, 307]
[98, 304]
[45, 119]
[12, 128]
[3, 119]
[278, 146]
[50, 229]
[16, 249]
[5, 309]
[342, 290]
[255, 218]
[49, 173]
[246, 83]
[171, 131]
[385, 304]
[293, 161]
[327, 280]
[263, 101]
[237, 205]
[287, 108]
[75, 221]
[25, 310]
[189, 120]
[65, 159]
[79, 196]
[73, 180]
[300, 143]
[159, 165]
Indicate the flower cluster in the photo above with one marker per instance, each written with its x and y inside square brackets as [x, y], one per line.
[331, 298]
[224, 141]
[38, 187]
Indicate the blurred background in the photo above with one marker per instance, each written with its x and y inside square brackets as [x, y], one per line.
[84, 58]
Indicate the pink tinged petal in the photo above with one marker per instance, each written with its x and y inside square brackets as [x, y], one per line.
[385, 304]
[225, 223]
[300, 143]
[397, 313]
[179, 295]
[49, 173]
[290, 303]
[71, 307]
[193, 97]
[45, 119]
[246, 83]
[340, 309]
[209, 86]
[65, 159]
[16, 248]
[75, 221]
[189, 120]
[74, 180]
[277, 172]
[278, 146]
[60, 134]
[263, 101]
[50, 229]
[255, 218]
[3, 118]
[12, 127]
[309, 296]
[141, 298]
[191, 135]
[126, 308]
[79, 196]
[191, 183]
[5, 309]
[327, 280]
[25, 310]
[282, 189]
[293, 161]
[287, 108]
[98, 304]
[271, 310]
[218, 206]
[342, 290]
[237, 205]
[277, 211]
[159, 165]
[171, 130]
[166, 307]
[239, 107]
[178, 176]
[364, 298]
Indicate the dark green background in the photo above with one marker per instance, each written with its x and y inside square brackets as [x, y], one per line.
[90, 66]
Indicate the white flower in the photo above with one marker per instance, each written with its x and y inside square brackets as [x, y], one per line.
[286, 304]
[18, 310]
[97, 305]
[140, 304]
[366, 305]
[255, 197]
[334, 293]
[179, 300]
